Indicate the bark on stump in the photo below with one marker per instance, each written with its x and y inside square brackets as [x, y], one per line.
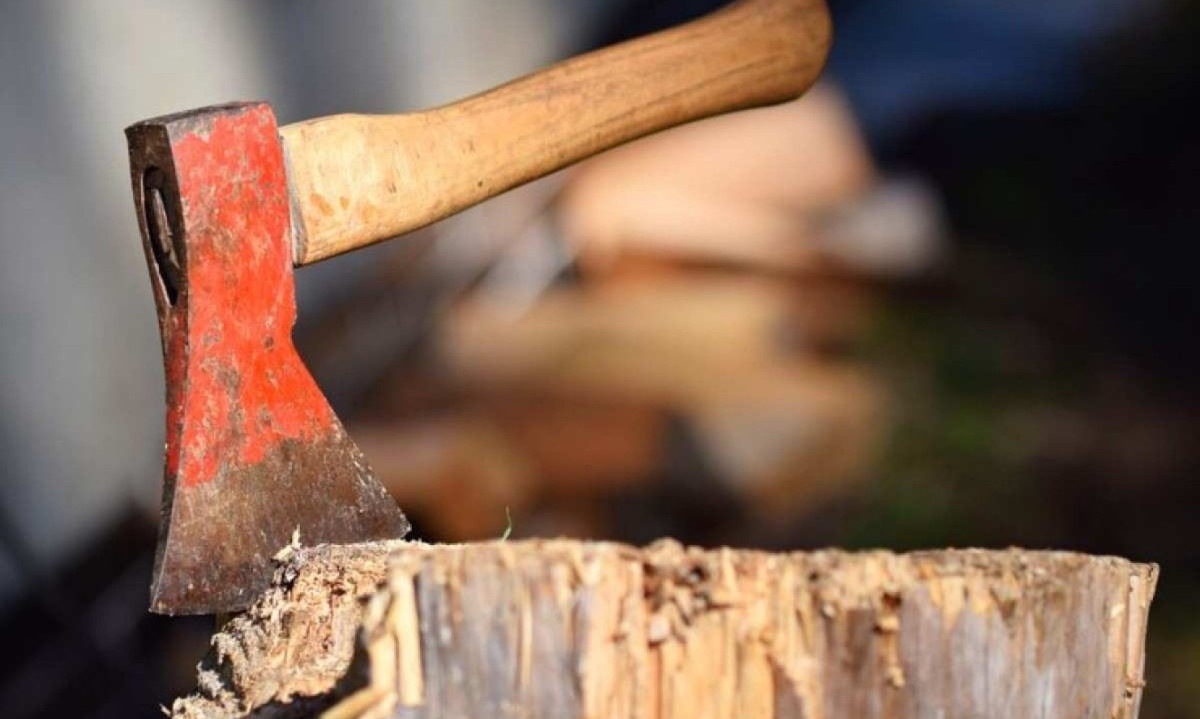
[565, 629]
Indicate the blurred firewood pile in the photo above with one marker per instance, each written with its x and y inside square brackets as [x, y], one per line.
[660, 341]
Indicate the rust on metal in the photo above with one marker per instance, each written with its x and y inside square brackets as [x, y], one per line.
[253, 452]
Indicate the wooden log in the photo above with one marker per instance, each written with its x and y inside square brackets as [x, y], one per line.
[566, 629]
[671, 342]
[725, 190]
[458, 472]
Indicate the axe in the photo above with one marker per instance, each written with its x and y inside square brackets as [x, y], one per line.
[228, 203]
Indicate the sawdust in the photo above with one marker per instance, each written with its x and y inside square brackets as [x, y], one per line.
[297, 640]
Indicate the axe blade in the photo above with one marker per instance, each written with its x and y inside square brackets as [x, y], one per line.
[254, 452]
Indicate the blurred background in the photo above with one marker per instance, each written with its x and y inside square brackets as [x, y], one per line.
[943, 300]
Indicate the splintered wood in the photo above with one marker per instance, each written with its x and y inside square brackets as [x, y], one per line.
[563, 629]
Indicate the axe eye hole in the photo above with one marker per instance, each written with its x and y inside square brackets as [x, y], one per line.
[161, 234]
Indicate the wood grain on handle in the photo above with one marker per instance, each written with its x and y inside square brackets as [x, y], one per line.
[359, 179]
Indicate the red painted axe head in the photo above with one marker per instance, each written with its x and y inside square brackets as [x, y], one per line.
[254, 451]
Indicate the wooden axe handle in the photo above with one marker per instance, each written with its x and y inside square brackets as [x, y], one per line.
[359, 179]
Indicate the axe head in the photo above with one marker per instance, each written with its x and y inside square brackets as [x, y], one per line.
[254, 453]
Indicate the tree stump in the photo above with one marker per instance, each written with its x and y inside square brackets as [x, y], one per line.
[565, 629]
